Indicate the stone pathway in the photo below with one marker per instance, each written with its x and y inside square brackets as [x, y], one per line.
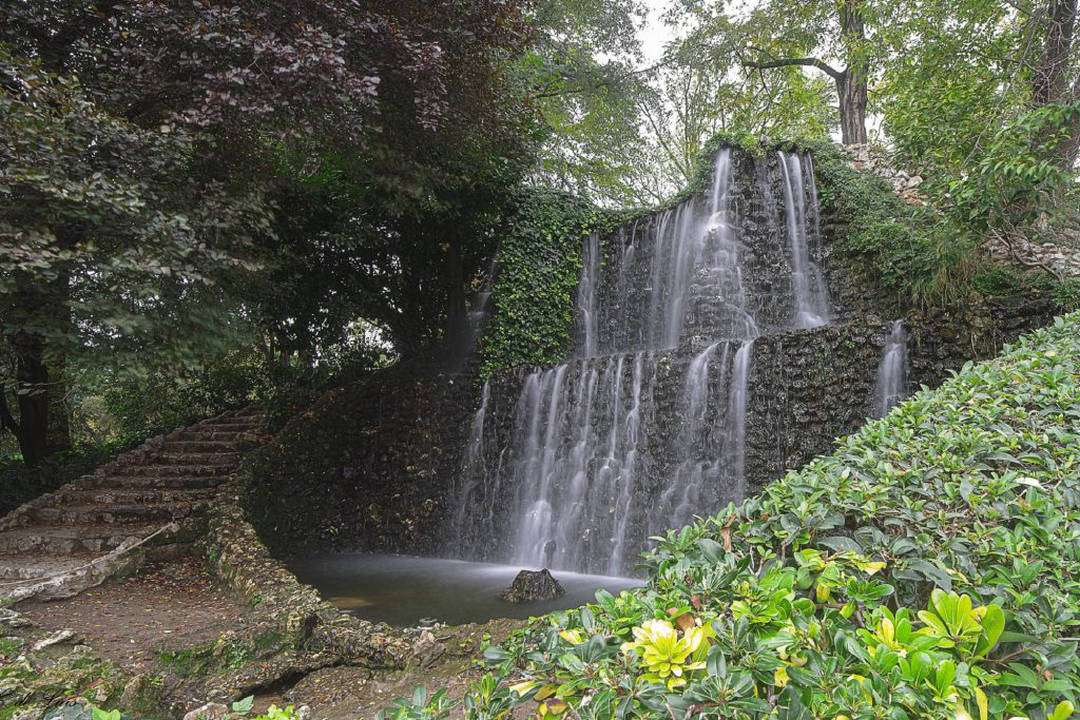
[79, 533]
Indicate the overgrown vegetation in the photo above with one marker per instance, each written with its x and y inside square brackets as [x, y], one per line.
[538, 265]
[918, 255]
[927, 568]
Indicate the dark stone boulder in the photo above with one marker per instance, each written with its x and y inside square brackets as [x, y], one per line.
[531, 586]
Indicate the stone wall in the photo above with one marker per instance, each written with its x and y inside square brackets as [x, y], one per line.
[808, 388]
[295, 611]
[367, 466]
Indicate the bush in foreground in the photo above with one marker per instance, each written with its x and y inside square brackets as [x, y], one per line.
[930, 567]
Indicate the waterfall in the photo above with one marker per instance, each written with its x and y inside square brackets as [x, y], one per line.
[891, 386]
[586, 297]
[696, 478]
[462, 349]
[811, 303]
[645, 427]
[473, 474]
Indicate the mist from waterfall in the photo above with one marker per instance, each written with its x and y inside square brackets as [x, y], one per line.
[576, 483]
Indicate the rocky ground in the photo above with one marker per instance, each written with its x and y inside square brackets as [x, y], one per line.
[352, 693]
[164, 642]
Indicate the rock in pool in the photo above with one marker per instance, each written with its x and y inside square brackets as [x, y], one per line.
[531, 586]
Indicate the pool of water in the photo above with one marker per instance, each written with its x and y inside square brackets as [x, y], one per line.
[404, 590]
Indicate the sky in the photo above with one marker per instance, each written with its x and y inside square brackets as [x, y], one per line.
[654, 33]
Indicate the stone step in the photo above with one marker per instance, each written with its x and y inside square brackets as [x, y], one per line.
[227, 459]
[113, 514]
[37, 566]
[169, 470]
[70, 539]
[240, 424]
[209, 433]
[148, 482]
[200, 446]
[79, 495]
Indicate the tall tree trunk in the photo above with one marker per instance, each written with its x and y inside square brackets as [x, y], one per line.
[851, 84]
[851, 90]
[1050, 81]
[32, 392]
[1069, 150]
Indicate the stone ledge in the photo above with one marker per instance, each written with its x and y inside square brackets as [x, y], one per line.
[307, 621]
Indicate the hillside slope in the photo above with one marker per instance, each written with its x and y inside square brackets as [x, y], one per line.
[963, 505]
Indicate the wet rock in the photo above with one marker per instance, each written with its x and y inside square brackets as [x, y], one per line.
[141, 690]
[533, 585]
[32, 712]
[54, 639]
[12, 692]
[427, 650]
[209, 711]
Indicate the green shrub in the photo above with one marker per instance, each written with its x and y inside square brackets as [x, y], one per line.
[929, 567]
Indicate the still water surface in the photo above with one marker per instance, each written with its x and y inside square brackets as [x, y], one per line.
[403, 590]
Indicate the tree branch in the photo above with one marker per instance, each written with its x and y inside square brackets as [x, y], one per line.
[807, 62]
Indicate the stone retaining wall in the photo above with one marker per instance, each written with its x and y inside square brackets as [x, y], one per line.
[306, 620]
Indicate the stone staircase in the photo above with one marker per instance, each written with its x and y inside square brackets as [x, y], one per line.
[161, 487]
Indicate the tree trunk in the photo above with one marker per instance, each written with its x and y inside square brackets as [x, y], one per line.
[851, 90]
[32, 391]
[1050, 81]
[1069, 150]
[851, 84]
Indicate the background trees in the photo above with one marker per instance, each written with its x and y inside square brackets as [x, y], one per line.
[191, 181]
[151, 149]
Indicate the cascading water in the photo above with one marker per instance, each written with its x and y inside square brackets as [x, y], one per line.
[666, 311]
[473, 473]
[811, 304]
[891, 385]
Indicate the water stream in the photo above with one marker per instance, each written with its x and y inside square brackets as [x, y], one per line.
[891, 386]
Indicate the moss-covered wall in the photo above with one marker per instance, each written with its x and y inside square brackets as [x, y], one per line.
[367, 466]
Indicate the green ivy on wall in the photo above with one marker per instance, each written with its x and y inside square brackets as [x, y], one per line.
[539, 264]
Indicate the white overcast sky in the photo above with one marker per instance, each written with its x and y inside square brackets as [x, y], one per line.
[654, 33]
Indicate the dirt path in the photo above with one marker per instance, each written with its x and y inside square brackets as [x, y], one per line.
[129, 621]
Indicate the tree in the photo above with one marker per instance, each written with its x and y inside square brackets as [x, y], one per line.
[846, 40]
[581, 72]
[1056, 76]
[100, 218]
[695, 97]
[144, 144]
